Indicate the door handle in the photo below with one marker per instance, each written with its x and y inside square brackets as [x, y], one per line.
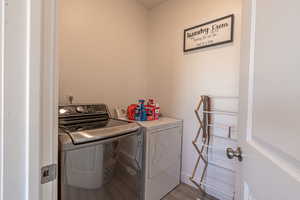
[234, 153]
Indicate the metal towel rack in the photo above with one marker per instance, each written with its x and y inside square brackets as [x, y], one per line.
[203, 113]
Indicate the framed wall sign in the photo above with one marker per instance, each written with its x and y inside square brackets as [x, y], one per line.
[216, 32]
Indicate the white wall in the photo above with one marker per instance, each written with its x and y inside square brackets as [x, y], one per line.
[178, 79]
[103, 51]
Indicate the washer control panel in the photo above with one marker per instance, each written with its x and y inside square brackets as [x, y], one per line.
[71, 110]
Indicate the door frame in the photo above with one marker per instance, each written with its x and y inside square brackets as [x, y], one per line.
[2, 22]
[246, 87]
[43, 148]
[39, 99]
[50, 78]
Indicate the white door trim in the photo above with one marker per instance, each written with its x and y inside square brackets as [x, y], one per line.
[49, 142]
[34, 27]
[251, 71]
[20, 81]
[1, 94]
[246, 85]
[35, 110]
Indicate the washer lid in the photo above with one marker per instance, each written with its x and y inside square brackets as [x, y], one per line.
[112, 128]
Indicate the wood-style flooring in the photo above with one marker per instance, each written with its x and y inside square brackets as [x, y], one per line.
[186, 192]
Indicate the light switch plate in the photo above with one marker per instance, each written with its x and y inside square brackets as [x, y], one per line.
[48, 173]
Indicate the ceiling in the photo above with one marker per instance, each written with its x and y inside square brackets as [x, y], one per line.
[151, 3]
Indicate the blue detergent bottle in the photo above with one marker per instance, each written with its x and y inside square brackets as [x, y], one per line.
[137, 115]
[142, 110]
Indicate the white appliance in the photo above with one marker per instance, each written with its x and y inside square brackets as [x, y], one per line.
[163, 139]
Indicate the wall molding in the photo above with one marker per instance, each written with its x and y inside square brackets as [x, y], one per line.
[2, 23]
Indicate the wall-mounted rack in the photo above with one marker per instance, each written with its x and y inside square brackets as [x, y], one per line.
[202, 141]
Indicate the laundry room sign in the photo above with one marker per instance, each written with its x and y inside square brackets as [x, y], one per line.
[216, 32]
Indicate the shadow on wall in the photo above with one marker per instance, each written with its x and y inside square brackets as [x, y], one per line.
[209, 49]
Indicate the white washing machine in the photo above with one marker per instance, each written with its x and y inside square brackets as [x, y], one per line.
[163, 139]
